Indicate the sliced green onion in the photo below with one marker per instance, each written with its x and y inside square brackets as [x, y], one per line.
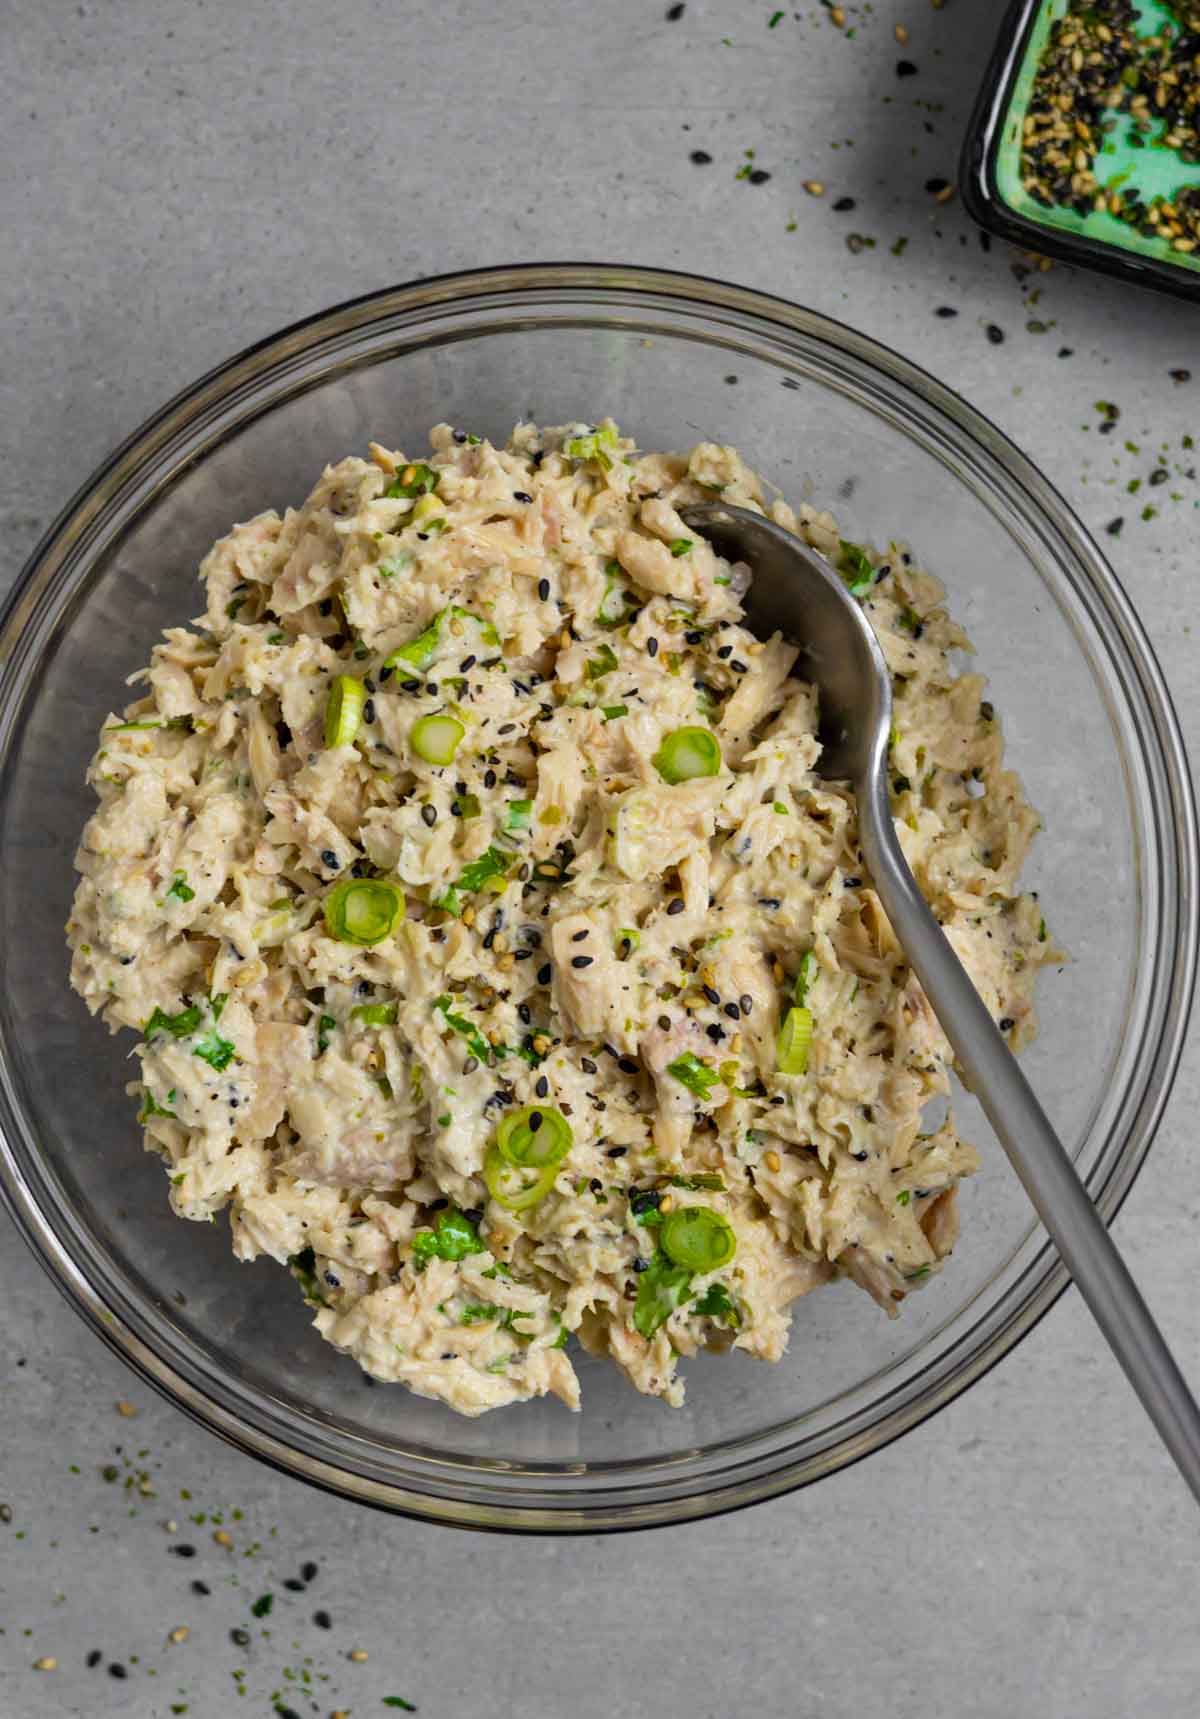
[363, 910]
[687, 753]
[618, 604]
[151, 1106]
[426, 510]
[517, 814]
[612, 711]
[697, 1238]
[420, 652]
[326, 1026]
[513, 1186]
[806, 978]
[412, 481]
[486, 870]
[689, 1071]
[604, 662]
[534, 1138]
[343, 710]
[374, 1014]
[398, 563]
[795, 1037]
[855, 568]
[466, 806]
[478, 1045]
[591, 447]
[436, 738]
[707, 1179]
[681, 546]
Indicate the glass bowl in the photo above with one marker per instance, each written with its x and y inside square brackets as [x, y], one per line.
[826, 414]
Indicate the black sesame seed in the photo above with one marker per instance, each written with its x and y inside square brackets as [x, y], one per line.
[471, 1064]
[905, 69]
[715, 1033]
[466, 663]
[544, 589]
[714, 997]
[94, 1658]
[385, 673]
[580, 936]
[522, 495]
[627, 1065]
[746, 1003]
[410, 686]
[759, 176]
[1007, 1024]
[369, 711]
[535, 1121]
[664, 1022]
[935, 185]
[1157, 476]
[543, 974]
[329, 860]
[460, 436]
[429, 815]
[616, 1151]
[1115, 527]
[651, 647]
[995, 334]
[116, 1669]
[701, 157]
[240, 1637]
[1180, 375]
[183, 1550]
[293, 1586]
[739, 667]
[945, 311]
[724, 652]
[524, 1013]
[322, 1620]
[675, 905]
[640, 1264]
[543, 1087]
[844, 205]
[732, 1010]
[581, 960]
[201, 1588]
[675, 12]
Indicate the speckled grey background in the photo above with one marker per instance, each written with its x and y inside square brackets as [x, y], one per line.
[183, 178]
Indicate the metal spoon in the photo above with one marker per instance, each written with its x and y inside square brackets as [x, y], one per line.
[798, 594]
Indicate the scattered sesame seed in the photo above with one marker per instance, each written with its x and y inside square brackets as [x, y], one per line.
[773, 1161]
[46, 1663]
[814, 187]
[359, 1655]
[179, 1633]
[223, 1537]
[126, 1410]
[701, 157]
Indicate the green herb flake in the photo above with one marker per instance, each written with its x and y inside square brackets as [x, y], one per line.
[452, 1237]
[262, 1605]
[180, 889]
[662, 1287]
[682, 546]
[696, 1075]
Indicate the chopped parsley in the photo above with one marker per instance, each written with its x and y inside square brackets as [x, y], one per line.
[180, 888]
[696, 1075]
[452, 1237]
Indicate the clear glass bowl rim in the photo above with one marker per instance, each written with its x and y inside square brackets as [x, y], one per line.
[590, 1502]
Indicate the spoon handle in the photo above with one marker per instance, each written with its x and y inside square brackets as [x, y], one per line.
[1034, 1149]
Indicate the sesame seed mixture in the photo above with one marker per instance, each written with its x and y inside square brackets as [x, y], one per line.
[1094, 68]
[497, 959]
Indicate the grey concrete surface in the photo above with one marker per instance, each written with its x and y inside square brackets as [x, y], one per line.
[184, 176]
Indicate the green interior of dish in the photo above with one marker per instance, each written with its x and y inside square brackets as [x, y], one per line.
[1154, 170]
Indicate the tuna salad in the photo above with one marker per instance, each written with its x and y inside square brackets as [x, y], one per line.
[496, 958]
